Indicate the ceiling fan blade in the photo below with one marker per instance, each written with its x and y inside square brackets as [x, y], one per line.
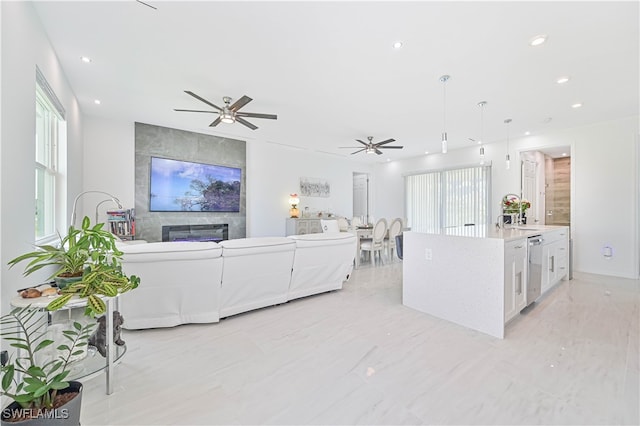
[363, 143]
[384, 142]
[360, 150]
[378, 151]
[257, 115]
[202, 99]
[240, 103]
[390, 147]
[350, 147]
[216, 122]
[195, 110]
[246, 123]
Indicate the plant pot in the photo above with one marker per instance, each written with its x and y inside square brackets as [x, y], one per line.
[65, 415]
[62, 282]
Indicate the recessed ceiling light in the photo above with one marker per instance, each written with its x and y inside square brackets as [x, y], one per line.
[538, 40]
[562, 80]
[397, 45]
[576, 105]
[97, 102]
[426, 152]
[85, 59]
[388, 159]
[527, 133]
[564, 154]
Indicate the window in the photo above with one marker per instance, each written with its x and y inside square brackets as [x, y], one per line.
[447, 198]
[48, 133]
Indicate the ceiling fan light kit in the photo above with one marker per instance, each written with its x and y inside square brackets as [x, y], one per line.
[230, 113]
[372, 148]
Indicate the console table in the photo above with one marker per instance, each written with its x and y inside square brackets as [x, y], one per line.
[303, 226]
[92, 364]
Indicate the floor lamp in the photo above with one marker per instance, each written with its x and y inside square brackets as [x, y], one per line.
[75, 204]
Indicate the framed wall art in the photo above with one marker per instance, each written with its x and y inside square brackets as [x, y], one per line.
[315, 187]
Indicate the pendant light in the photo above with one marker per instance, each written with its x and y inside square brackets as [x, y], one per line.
[445, 143]
[482, 104]
[508, 159]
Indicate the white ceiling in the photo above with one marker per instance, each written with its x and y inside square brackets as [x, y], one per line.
[328, 69]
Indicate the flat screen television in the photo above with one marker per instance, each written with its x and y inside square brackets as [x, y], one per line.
[184, 186]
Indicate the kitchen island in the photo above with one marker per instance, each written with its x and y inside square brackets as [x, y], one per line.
[477, 276]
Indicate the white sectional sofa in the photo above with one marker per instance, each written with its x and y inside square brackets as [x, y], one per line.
[201, 282]
[256, 273]
[177, 283]
[321, 263]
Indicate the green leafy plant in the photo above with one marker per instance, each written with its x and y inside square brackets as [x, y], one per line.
[91, 253]
[25, 330]
[89, 244]
[100, 279]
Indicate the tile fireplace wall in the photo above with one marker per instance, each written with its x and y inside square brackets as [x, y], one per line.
[177, 144]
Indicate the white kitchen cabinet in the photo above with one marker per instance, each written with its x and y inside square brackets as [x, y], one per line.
[555, 255]
[515, 282]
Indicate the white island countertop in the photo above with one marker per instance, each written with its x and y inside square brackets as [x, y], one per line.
[508, 233]
[459, 274]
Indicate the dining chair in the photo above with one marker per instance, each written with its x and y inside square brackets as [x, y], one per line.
[399, 245]
[375, 244]
[395, 229]
[343, 224]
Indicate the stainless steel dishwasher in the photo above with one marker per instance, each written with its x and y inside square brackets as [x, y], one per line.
[534, 272]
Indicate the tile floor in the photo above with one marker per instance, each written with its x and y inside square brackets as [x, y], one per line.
[358, 356]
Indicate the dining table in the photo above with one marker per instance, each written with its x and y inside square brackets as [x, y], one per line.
[360, 232]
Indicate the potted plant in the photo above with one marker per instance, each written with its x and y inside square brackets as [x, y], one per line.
[72, 253]
[89, 254]
[37, 385]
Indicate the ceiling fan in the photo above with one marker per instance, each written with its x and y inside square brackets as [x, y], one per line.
[229, 113]
[371, 148]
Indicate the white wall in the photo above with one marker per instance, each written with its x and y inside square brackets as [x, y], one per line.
[25, 45]
[605, 188]
[273, 172]
[109, 165]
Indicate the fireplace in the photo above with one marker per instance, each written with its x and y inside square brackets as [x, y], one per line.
[208, 232]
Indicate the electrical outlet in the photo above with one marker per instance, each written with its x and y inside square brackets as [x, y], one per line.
[428, 255]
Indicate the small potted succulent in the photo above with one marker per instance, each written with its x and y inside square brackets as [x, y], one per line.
[88, 254]
[38, 384]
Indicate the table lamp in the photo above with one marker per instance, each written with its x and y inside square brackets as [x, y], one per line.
[294, 201]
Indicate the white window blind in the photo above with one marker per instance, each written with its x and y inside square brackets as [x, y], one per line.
[448, 198]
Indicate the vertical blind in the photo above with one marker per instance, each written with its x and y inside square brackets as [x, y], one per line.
[448, 198]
